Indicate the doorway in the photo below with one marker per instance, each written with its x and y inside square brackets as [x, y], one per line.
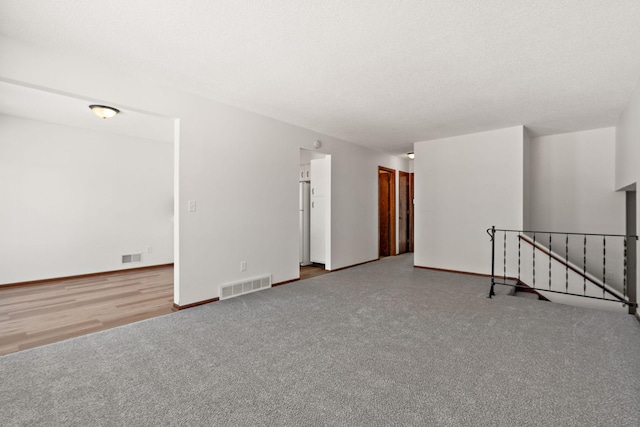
[120, 238]
[404, 212]
[314, 178]
[386, 211]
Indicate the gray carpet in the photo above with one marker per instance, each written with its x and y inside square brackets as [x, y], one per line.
[375, 345]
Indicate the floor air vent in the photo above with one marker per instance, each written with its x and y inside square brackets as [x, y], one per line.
[246, 286]
[126, 259]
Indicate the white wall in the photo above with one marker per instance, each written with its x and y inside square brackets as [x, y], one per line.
[527, 182]
[74, 200]
[628, 153]
[464, 185]
[254, 216]
[240, 167]
[571, 185]
[573, 188]
[628, 143]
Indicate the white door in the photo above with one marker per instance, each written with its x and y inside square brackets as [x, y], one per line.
[320, 177]
[318, 227]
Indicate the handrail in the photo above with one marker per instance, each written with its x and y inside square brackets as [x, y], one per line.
[564, 234]
[572, 268]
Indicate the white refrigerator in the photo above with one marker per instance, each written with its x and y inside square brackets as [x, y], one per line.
[305, 231]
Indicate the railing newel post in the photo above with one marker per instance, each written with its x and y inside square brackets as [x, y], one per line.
[624, 269]
[493, 260]
[632, 285]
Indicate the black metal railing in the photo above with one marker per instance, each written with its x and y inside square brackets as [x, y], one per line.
[608, 263]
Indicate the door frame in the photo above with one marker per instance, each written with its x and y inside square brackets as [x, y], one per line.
[411, 211]
[392, 209]
[404, 190]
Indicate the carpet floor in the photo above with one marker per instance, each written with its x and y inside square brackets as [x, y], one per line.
[375, 345]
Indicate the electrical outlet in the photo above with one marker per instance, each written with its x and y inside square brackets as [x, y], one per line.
[149, 249]
[243, 265]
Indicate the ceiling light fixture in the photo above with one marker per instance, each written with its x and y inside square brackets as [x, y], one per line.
[103, 111]
[411, 155]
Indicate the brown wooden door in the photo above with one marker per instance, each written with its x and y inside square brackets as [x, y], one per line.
[404, 226]
[386, 212]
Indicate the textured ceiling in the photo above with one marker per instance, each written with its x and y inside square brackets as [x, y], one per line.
[378, 73]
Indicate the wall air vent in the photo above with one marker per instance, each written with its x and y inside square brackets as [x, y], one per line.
[235, 289]
[126, 259]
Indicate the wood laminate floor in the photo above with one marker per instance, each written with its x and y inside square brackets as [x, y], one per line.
[312, 270]
[38, 314]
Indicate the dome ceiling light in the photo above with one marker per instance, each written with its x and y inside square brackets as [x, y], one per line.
[103, 111]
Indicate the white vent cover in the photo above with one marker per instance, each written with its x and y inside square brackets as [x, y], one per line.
[231, 290]
[126, 259]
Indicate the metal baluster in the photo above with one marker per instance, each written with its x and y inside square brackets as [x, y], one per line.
[550, 260]
[534, 260]
[624, 271]
[604, 264]
[519, 238]
[566, 264]
[584, 266]
[504, 260]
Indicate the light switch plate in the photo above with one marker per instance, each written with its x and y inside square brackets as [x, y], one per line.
[191, 206]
